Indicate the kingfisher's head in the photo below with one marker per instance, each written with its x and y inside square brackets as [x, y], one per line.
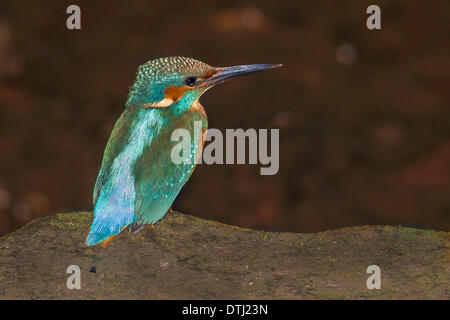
[179, 81]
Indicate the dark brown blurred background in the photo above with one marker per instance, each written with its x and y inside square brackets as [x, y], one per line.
[364, 115]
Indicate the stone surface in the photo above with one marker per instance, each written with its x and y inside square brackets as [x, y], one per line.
[184, 257]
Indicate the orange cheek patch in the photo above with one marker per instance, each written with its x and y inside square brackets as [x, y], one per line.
[175, 92]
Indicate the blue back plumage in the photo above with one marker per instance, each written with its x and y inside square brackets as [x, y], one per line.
[114, 193]
[138, 180]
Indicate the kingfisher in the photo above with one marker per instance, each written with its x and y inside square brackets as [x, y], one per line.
[138, 179]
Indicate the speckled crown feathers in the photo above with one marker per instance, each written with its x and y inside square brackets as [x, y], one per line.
[160, 72]
[154, 69]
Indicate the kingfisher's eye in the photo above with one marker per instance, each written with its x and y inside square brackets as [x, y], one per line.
[191, 81]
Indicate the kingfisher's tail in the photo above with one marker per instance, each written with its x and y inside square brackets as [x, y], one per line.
[101, 234]
[111, 216]
[98, 237]
[94, 239]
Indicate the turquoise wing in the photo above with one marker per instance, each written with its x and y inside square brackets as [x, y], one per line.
[113, 194]
[158, 180]
[118, 139]
[138, 181]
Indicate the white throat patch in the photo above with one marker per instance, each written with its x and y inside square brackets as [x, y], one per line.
[160, 104]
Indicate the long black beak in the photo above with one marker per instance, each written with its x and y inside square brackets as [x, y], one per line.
[223, 74]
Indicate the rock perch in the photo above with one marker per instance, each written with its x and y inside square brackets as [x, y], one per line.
[184, 257]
